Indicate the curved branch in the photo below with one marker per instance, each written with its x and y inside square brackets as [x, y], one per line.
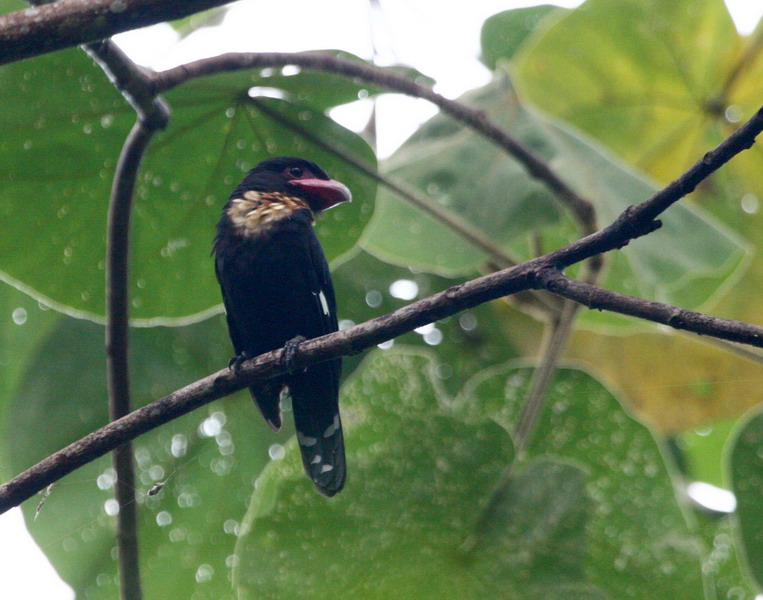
[34, 31]
[117, 364]
[581, 209]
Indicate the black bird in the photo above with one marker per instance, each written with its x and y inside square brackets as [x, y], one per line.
[277, 291]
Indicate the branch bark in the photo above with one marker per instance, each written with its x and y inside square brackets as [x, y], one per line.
[34, 31]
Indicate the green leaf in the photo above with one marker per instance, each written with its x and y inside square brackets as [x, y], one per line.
[60, 157]
[723, 566]
[638, 75]
[746, 474]
[639, 544]
[503, 33]
[683, 263]
[7, 6]
[420, 478]
[207, 460]
[23, 324]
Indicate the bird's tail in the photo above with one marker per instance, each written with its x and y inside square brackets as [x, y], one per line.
[319, 430]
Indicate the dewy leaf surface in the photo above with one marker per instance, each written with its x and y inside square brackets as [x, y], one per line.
[207, 460]
[682, 263]
[639, 543]
[60, 158]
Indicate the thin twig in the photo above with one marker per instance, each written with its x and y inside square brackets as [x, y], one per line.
[152, 114]
[657, 312]
[551, 352]
[34, 31]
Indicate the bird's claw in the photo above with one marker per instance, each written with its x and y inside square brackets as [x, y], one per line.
[234, 364]
[290, 349]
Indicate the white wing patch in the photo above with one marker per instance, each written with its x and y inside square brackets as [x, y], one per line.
[324, 303]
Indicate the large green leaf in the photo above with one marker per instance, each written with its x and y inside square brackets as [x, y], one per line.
[746, 474]
[682, 263]
[208, 461]
[639, 543]
[59, 157]
[23, 325]
[419, 481]
[640, 75]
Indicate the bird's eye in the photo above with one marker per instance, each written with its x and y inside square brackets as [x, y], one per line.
[295, 171]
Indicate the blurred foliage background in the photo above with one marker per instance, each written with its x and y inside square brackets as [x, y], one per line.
[620, 97]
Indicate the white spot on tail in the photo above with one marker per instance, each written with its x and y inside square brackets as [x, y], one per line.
[326, 468]
[316, 460]
[306, 440]
[331, 429]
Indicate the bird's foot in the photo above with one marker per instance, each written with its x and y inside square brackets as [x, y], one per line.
[234, 364]
[290, 349]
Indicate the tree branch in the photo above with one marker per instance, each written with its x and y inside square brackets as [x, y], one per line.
[117, 336]
[581, 209]
[34, 31]
[657, 312]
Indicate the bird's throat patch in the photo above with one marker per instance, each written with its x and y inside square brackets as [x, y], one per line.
[255, 212]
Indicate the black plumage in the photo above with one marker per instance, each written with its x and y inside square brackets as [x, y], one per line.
[276, 287]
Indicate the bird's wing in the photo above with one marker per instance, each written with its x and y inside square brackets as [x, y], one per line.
[235, 335]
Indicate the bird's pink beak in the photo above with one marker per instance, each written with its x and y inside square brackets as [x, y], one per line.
[325, 192]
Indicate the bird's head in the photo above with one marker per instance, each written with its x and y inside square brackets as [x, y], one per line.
[296, 177]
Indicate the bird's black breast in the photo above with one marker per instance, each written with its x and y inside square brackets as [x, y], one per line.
[276, 284]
